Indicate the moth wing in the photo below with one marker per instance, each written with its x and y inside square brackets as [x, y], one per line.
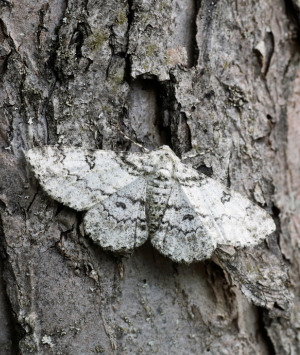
[230, 218]
[119, 222]
[182, 235]
[80, 178]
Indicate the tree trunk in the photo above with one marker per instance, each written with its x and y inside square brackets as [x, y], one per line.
[218, 81]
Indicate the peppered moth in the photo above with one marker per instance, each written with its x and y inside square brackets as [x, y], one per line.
[130, 197]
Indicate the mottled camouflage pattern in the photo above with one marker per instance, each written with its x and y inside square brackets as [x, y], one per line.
[130, 196]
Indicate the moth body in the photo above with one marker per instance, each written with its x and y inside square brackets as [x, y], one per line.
[159, 186]
[157, 195]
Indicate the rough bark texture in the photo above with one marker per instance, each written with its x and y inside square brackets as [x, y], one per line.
[219, 82]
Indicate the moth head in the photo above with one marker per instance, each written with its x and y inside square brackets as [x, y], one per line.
[163, 161]
[165, 152]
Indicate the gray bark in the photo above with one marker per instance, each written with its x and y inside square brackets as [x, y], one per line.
[219, 82]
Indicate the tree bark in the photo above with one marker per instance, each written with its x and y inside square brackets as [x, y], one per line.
[218, 81]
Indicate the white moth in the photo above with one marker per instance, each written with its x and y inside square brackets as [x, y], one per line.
[130, 197]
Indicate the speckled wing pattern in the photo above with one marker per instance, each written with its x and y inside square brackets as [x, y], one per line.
[228, 217]
[182, 235]
[119, 222]
[202, 213]
[130, 196]
[80, 178]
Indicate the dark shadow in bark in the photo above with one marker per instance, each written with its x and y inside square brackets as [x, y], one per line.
[147, 112]
[203, 169]
[293, 12]
[14, 331]
[263, 322]
[195, 50]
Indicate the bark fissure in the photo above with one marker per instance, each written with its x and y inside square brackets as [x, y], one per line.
[183, 74]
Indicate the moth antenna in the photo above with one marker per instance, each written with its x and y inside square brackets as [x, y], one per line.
[132, 141]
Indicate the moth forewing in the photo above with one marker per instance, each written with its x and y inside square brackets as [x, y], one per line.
[80, 178]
